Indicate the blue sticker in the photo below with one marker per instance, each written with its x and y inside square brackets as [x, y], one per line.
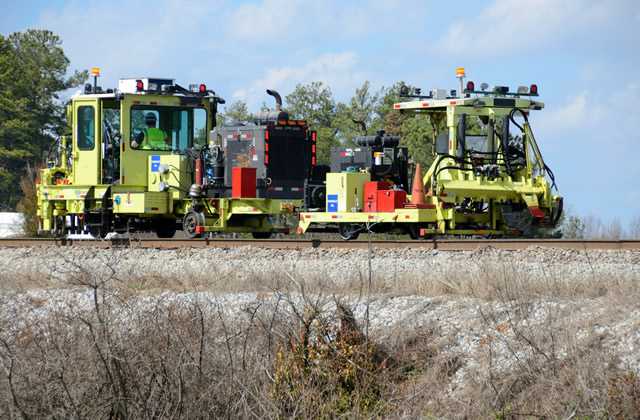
[155, 163]
[332, 203]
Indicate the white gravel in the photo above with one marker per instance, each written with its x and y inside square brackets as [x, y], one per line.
[467, 327]
[332, 265]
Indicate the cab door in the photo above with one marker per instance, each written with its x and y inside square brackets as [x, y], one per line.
[86, 142]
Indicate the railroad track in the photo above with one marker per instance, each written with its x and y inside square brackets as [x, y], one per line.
[444, 244]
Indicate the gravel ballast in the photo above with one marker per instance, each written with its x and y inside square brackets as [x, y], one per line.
[589, 293]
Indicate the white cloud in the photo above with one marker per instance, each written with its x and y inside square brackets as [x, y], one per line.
[130, 40]
[594, 117]
[286, 22]
[338, 71]
[569, 116]
[263, 22]
[509, 25]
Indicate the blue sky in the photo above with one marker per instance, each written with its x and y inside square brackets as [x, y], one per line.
[584, 55]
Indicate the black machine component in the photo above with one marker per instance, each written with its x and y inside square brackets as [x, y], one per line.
[315, 188]
[381, 155]
[214, 171]
[281, 149]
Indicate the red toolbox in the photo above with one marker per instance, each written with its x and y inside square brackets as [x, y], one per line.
[371, 189]
[389, 200]
[243, 182]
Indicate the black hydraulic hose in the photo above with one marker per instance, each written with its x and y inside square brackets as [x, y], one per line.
[521, 112]
[545, 166]
[460, 168]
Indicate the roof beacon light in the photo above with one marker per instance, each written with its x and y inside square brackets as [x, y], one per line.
[470, 87]
[202, 88]
[533, 90]
[95, 72]
[523, 90]
[460, 74]
[484, 86]
[139, 86]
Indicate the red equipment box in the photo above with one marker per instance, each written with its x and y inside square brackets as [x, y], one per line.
[371, 189]
[243, 182]
[389, 200]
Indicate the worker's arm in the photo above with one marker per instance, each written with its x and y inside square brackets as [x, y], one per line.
[138, 140]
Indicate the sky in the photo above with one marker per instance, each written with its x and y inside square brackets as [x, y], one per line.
[583, 54]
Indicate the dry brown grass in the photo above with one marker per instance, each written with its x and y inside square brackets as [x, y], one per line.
[298, 352]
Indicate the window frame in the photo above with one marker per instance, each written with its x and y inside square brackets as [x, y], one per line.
[191, 134]
[82, 146]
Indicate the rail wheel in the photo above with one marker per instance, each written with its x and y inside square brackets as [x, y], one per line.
[165, 228]
[349, 231]
[261, 235]
[59, 227]
[414, 231]
[190, 223]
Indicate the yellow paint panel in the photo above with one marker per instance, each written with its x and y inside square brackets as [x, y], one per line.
[141, 203]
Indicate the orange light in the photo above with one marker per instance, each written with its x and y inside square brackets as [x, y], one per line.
[460, 72]
[95, 71]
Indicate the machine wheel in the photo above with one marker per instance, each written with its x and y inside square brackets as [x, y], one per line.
[349, 231]
[97, 231]
[189, 224]
[165, 228]
[59, 229]
[261, 235]
[413, 231]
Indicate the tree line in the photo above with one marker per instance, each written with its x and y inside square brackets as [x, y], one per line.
[338, 123]
[34, 71]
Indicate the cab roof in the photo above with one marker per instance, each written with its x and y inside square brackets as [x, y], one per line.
[488, 101]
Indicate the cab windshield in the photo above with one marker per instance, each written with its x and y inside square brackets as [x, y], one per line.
[167, 128]
[477, 136]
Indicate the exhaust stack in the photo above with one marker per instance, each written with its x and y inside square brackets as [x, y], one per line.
[277, 97]
[278, 113]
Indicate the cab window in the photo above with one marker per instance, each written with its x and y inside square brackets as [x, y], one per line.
[86, 128]
[167, 128]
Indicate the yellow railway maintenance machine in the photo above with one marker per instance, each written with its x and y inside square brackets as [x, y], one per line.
[488, 177]
[139, 158]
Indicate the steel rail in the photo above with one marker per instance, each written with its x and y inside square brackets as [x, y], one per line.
[432, 244]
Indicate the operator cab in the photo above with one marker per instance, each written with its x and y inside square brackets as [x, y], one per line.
[484, 131]
[117, 130]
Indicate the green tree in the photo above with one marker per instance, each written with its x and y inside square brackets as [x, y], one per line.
[314, 103]
[33, 69]
[416, 131]
[236, 111]
[391, 119]
[362, 107]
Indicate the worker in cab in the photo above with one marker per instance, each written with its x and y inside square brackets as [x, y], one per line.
[150, 137]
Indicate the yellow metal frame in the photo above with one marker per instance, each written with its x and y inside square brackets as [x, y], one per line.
[449, 187]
